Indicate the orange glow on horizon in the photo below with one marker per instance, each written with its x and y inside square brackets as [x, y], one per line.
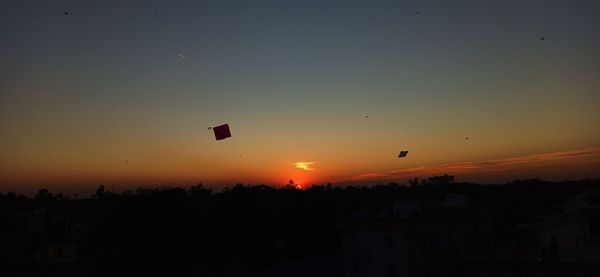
[556, 165]
[582, 159]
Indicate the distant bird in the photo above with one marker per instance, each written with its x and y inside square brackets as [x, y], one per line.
[418, 12]
[66, 13]
[542, 38]
[366, 116]
[467, 138]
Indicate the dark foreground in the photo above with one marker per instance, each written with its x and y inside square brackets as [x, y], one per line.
[439, 228]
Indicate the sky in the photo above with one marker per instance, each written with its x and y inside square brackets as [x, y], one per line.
[122, 93]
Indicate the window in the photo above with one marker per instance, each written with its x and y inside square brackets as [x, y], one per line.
[389, 241]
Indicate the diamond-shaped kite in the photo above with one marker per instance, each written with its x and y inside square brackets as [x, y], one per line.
[222, 132]
[402, 154]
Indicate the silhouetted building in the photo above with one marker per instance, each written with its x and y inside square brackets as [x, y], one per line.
[406, 208]
[563, 244]
[59, 236]
[414, 239]
[440, 180]
[570, 236]
[321, 265]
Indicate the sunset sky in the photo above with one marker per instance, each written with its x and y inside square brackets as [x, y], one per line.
[122, 92]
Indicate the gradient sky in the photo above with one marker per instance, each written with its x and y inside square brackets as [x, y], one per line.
[122, 92]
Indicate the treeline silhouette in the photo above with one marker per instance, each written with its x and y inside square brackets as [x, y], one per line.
[175, 231]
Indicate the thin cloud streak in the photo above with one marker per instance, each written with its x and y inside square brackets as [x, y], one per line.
[305, 165]
[497, 165]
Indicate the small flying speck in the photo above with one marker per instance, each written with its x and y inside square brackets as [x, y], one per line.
[418, 12]
[542, 38]
[66, 13]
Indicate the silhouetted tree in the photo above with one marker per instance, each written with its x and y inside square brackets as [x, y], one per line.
[199, 190]
[316, 188]
[11, 195]
[100, 193]
[44, 195]
[414, 182]
[61, 196]
[291, 185]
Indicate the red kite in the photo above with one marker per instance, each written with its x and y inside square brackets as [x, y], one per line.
[222, 132]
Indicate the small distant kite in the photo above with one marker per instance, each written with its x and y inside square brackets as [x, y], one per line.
[402, 154]
[221, 132]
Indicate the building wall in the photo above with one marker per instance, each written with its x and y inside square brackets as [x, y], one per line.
[572, 234]
[566, 230]
[375, 253]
